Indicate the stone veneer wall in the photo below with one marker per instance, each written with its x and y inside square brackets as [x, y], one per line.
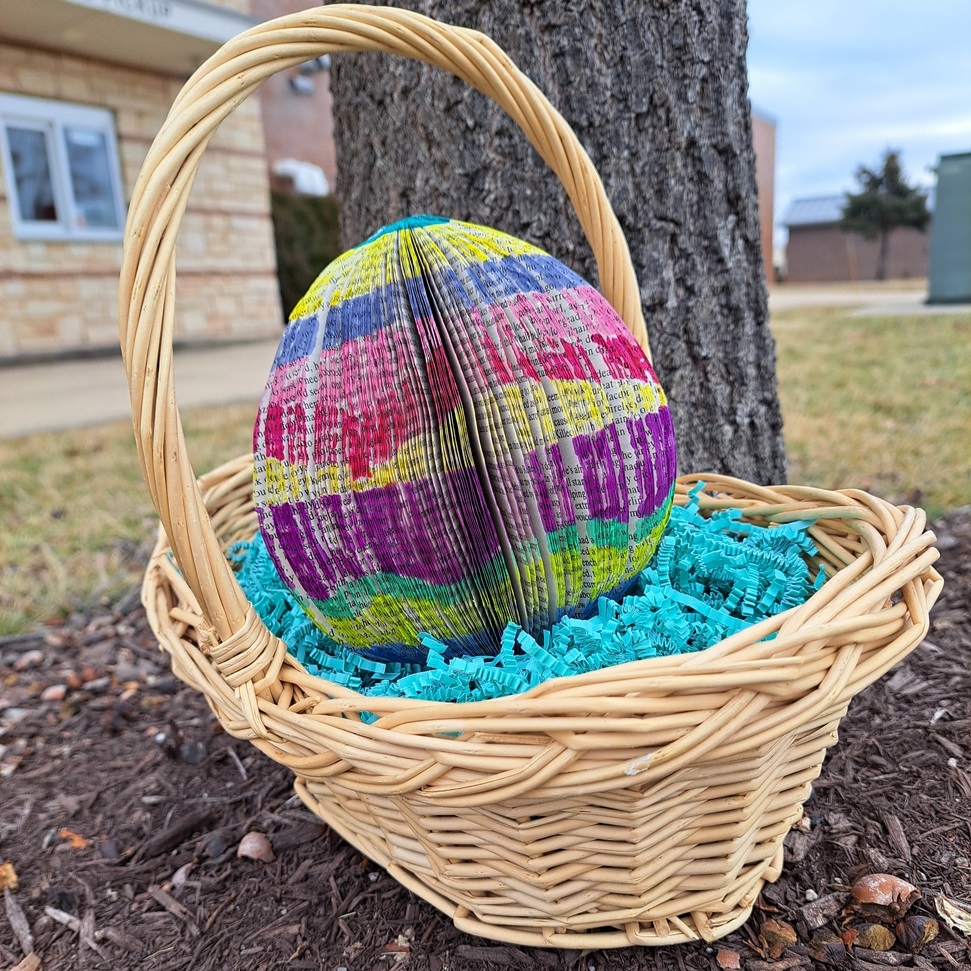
[57, 297]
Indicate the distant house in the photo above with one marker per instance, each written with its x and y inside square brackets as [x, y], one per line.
[818, 251]
[84, 87]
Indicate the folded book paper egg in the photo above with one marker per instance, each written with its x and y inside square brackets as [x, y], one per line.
[458, 432]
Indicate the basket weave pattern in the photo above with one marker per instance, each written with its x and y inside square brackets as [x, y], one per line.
[640, 804]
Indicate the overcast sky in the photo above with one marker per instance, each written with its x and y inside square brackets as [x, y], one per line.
[846, 79]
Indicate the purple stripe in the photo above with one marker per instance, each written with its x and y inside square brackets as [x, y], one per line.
[662, 430]
[318, 568]
[399, 528]
[602, 463]
[551, 489]
[558, 469]
[640, 436]
[652, 436]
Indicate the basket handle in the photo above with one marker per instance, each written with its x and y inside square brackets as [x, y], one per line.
[147, 288]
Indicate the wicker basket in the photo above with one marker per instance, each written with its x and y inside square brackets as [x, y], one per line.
[642, 804]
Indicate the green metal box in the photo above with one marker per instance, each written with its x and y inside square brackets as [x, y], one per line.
[949, 259]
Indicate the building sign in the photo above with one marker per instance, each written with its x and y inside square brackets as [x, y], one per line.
[151, 11]
[189, 17]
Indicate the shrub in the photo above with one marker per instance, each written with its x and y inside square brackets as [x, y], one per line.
[305, 230]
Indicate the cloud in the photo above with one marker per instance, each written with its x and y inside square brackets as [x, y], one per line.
[846, 81]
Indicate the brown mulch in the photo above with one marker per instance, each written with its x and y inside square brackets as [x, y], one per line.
[122, 806]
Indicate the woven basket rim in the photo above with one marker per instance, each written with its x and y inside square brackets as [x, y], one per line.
[911, 557]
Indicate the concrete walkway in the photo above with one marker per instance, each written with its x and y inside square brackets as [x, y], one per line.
[69, 394]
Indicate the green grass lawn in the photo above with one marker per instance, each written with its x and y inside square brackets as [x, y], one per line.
[882, 404]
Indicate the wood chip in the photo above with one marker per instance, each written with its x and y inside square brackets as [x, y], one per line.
[18, 922]
[29, 963]
[87, 934]
[798, 845]
[495, 955]
[298, 835]
[68, 920]
[727, 959]
[300, 872]
[786, 963]
[231, 752]
[120, 939]
[905, 683]
[883, 959]
[85, 929]
[898, 837]
[174, 908]
[169, 903]
[817, 913]
[170, 837]
[947, 957]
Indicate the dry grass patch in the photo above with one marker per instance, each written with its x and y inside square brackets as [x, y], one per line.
[878, 403]
[78, 523]
[882, 404]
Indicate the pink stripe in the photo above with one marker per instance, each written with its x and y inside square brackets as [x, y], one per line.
[366, 402]
[550, 348]
[622, 355]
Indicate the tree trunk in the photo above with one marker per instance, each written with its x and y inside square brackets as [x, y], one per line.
[656, 92]
[881, 270]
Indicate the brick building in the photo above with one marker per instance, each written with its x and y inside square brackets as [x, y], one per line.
[763, 141]
[298, 117]
[84, 87]
[820, 252]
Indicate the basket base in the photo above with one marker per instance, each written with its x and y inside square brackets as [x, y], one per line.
[660, 932]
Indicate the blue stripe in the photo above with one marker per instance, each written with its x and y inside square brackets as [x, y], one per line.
[478, 283]
[485, 643]
[469, 285]
[297, 342]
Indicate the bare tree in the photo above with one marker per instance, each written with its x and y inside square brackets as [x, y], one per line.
[656, 90]
[884, 202]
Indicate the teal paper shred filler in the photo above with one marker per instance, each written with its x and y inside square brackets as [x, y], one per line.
[710, 578]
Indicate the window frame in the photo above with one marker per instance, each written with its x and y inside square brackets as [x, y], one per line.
[53, 118]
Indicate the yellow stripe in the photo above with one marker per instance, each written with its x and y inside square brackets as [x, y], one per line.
[365, 269]
[398, 618]
[287, 483]
[585, 407]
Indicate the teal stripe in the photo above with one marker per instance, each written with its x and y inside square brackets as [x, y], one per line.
[340, 604]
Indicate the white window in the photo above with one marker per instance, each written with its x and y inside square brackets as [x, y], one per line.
[60, 160]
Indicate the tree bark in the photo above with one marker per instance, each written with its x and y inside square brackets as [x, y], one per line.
[656, 92]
